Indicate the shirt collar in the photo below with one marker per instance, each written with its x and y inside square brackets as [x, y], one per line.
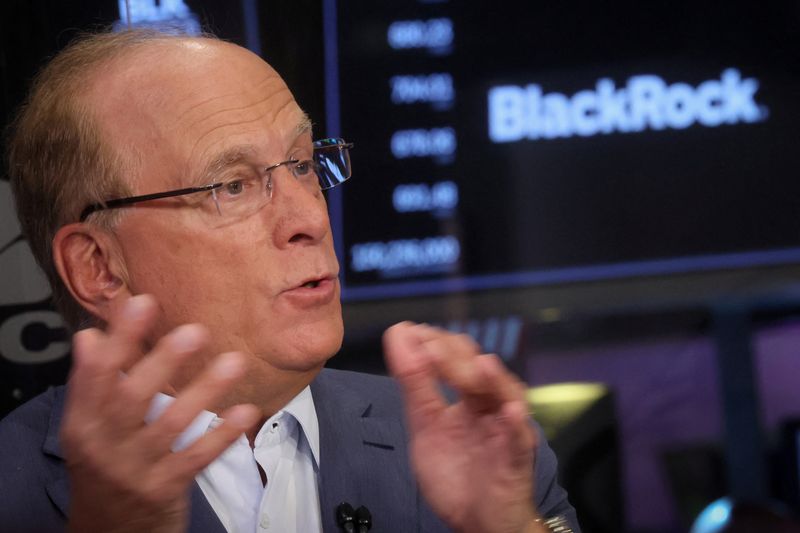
[194, 431]
[301, 407]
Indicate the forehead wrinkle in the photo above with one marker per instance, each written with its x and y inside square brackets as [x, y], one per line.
[261, 86]
[246, 106]
[199, 105]
[226, 124]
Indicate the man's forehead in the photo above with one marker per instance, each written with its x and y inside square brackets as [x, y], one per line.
[248, 153]
[161, 75]
[194, 101]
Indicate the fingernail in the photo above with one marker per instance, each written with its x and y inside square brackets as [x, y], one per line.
[188, 338]
[242, 415]
[136, 307]
[229, 365]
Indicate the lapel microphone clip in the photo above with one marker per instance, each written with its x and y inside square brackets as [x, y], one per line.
[353, 521]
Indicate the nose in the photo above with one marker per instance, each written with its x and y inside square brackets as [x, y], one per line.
[300, 212]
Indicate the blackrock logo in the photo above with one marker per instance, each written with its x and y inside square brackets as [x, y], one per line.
[24, 294]
[645, 102]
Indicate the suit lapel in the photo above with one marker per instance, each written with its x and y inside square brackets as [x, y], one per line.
[363, 457]
[58, 487]
[202, 517]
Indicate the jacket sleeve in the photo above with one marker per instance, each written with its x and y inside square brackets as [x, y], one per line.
[551, 498]
[30, 477]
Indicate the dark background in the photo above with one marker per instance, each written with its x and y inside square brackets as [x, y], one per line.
[545, 205]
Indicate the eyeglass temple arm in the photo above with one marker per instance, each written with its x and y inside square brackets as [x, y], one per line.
[120, 202]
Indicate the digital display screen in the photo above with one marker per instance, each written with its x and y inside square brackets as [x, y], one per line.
[541, 142]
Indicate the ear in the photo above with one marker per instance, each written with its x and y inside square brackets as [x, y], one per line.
[91, 266]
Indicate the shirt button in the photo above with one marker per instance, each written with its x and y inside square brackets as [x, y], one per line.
[264, 521]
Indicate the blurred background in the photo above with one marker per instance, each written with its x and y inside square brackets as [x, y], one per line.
[604, 193]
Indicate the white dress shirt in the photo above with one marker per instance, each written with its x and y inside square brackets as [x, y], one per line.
[286, 448]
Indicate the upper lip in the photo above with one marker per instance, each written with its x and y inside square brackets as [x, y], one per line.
[316, 278]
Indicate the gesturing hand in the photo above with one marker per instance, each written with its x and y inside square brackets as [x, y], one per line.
[473, 459]
[123, 474]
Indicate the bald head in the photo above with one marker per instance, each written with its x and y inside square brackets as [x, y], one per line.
[68, 145]
[150, 100]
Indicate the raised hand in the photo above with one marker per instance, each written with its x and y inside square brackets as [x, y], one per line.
[123, 474]
[474, 458]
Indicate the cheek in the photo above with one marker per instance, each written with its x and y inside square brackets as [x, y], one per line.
[194, 278]
[230, 281]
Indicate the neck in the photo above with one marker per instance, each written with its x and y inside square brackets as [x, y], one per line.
[269, 389]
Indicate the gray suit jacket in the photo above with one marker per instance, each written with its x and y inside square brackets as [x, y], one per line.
[363, 461]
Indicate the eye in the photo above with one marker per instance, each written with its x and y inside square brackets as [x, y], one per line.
[303, 168]
[238, 188]
[234, 188]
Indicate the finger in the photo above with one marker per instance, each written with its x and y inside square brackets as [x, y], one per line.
[202, 393]
[498, 381]
[180, 468]
[455, 358]
[128, 328]
[98, 357]
[512, 420]
[90, 387]
[507, 452]
[521, 435]
[88, 369]
[490, 385]
[153, 372]
[409, 362]
[510, 440]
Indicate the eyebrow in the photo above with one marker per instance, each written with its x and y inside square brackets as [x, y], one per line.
[236, 154]
[304, 126]
[228, 158]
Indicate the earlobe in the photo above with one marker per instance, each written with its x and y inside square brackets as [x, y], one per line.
[90, 266]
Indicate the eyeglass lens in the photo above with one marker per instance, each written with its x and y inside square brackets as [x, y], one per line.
[333, 162]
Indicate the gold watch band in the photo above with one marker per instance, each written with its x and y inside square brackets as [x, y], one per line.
[556, 524]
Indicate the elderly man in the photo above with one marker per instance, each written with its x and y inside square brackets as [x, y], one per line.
[170, 188]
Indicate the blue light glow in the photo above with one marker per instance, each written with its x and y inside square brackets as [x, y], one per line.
[435, 142]
[166, 15]
[427, 88]
[404, 256]
[714, 517]
[416, 197]
[436, 35]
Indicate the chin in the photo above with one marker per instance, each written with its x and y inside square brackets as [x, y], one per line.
[312, 346]
[328, 343]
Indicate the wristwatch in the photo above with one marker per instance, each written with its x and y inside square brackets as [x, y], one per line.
[556, 524]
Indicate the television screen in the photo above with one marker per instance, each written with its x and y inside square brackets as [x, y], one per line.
[538, 142]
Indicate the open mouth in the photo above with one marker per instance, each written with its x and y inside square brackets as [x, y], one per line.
[320, 290]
